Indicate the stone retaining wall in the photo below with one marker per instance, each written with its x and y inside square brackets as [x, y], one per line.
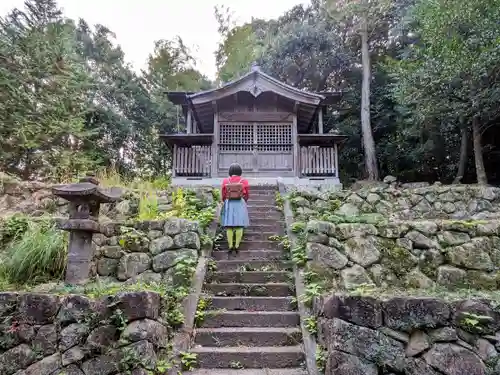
[413, 336]
[43, 334]
[437, 201]
[36, 199]
[415, 254]
[146, 251]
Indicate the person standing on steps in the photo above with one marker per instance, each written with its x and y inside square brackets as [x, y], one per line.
[235, 195]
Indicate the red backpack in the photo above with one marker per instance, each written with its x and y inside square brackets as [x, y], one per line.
[234, 190]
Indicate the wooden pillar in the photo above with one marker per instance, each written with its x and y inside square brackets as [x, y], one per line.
[215, 143]
[336, 160]
[189, 122]
[295, 140]
[254, 147]
[174, 161]
[320, 120]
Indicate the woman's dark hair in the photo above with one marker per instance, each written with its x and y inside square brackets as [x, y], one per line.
[235, 170]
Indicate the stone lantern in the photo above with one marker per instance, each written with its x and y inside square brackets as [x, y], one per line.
[84, 199]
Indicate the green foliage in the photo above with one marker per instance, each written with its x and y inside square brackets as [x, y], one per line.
[299, 256]
[184, 269]
[188, 360]
[311, 291]
[298, 249]
[451, 74]
[203, 305]
[133, 239]
[70, 103]
[474, 323]
[298, 227]
[240, 46]
[42, 102]
[188, 206]
[148, 206]
[311, 325]
[37, 255]
[280, 201]
[283, 241]
[321, 358]
[111, 177]
[217, 195]
[12, 227]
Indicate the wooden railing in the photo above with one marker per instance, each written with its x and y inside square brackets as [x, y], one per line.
[317, 161]
[192, 161]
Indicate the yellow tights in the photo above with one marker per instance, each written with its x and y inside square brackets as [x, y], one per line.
[231, 233]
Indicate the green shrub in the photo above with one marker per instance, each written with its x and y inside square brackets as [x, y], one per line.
[187, 205]
[148, 206]
[113, 178]
[12, 227]
[38, 255]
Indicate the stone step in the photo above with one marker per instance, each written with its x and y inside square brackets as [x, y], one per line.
[262, 193]
[268, 371]
[257, 215]
[264, 187]
[252, 265]
[262, 201]
[235, 318]
[253, 303]
[251, 277]
[259, 290]
[254, 245]
[247, 254]
[276, 228]
[257, 235]
[257, 221]
[248, 336]
[249, 357]
[262, 207]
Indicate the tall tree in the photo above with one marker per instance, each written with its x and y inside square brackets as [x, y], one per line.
[453, 72]
[240, 46]
[363, 17]
[306, 51]
[43, 93]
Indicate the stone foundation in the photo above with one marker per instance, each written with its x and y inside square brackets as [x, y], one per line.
[43, 334]
[403, 335]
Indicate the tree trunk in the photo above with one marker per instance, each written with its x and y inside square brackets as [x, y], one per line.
[462, 163]
[478, 153]
[366, 129]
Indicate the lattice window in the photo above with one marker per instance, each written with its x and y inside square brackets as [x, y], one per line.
[274, 137]
[236, 137]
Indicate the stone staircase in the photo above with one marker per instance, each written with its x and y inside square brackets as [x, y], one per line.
[253, 326]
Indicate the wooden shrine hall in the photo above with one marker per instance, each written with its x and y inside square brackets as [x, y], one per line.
[273, 130]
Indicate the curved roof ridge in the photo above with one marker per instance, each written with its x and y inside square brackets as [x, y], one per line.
[230, 83]
[283, 89]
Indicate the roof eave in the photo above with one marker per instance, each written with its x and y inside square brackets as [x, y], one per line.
[283, 89]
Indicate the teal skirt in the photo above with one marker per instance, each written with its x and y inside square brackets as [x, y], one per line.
[235, 213]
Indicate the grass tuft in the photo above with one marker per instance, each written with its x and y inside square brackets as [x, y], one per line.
[38, 255]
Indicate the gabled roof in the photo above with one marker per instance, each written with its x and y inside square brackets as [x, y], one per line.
[256, 82]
